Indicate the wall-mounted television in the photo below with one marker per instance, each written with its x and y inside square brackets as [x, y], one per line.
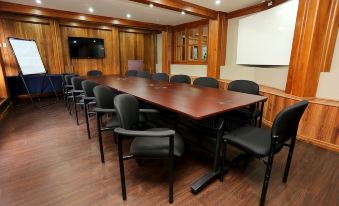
[86, 48]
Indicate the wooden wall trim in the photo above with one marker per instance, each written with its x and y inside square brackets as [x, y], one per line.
[179, 5]
[167, 44]
[253, 9]
[138, 31]
[3, 81]
[330, 37]
[312, 49]
[84, 25]
[216, 52]
[190, 24]
[53, 13]
[24, 18]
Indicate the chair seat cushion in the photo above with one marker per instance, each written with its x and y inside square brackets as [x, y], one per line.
[156, 146]
[252, 140]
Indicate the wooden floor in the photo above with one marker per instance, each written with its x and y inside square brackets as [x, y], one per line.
[45, 159]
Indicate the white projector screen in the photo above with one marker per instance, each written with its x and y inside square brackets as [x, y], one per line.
[266, 38]
[28, 57]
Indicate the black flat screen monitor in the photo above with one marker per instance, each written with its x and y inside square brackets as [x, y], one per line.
[86, 48]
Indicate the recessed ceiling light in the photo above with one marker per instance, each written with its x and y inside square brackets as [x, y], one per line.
[90, 9]
[128, 15]
[38, 1]
[183, 12]
[217, 2]
[151, 5]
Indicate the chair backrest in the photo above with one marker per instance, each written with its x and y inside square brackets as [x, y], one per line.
[131, 73]
[180, 78]
[76, 82]
[206, 82]
[244, 86]
[144, 74]
[160, 77]
[104, 96]
[68, 78]
[94, 73]
[127, 107]
[285, 125]
[88, 87]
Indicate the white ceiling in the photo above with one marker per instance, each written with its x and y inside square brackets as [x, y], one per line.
[115, 8]
[225, 5]
[138, 11]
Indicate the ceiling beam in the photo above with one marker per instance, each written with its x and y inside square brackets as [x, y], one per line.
[254, 9]
[178, 5]
[59, 14]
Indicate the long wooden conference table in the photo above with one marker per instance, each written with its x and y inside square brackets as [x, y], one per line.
[195, 102]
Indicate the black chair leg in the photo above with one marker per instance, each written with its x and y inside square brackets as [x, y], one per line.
[69, 105]
[122, 170]
[289, 159]
[102, 156]
[87, 121]
[223, 157]
[75, 109]
[170, 180]
[266, 180]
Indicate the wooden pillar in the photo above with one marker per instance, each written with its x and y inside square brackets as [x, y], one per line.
[3, 83]
[166, 51]
[313, 45]
[216, 53]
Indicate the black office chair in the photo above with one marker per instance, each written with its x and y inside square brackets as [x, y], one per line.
[104, 97]
[180, 78]
[77, 94]
[88, 99]
[144, 74]
[247, 115]
[264, 144]
[160, 77]
[156, 143]
[131, 73]
[244, 86]
[206, 82]
[67, 87]
[94, 73]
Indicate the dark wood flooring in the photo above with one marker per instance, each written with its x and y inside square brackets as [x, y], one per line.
[46, 159]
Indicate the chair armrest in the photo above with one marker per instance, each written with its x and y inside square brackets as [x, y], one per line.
[77, 91]
[135, 133]
[68, 86]
[89, 98]
[148, 111]
[101, 110]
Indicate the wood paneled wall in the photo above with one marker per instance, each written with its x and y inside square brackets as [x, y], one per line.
[137, 46]
[319, 124]
[51, 36]
[40, 30]
[108, 65]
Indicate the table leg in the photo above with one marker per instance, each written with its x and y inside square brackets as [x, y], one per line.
[261, 113]
[202, 182]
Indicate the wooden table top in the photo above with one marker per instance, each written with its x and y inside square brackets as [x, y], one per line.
[195, 102]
